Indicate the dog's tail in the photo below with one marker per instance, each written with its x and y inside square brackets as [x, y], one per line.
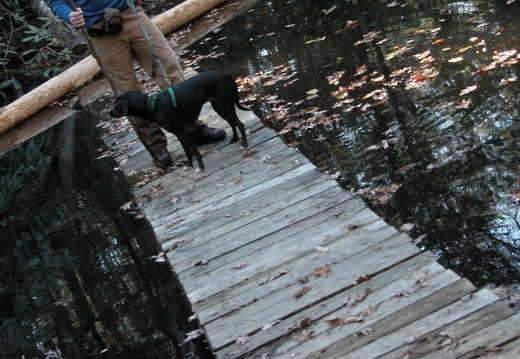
[237, 98]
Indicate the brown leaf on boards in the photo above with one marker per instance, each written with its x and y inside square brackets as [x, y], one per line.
[363, 278]
[275, 276]
[302, 292]
[303, 323]
[322, 271]
[352, 301]
[249, 152]
[335, 322]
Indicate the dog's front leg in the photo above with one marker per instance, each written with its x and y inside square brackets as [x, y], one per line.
[190, 149]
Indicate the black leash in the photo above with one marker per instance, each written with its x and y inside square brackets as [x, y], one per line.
[155, 61]
[155, 58]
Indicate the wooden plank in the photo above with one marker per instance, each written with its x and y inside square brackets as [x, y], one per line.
[201, 190]
[239, 230]
[343, 275]
[510, 350]
[416, 320]
[280, 249]
[488, 340]
[380, 288]
[380, 309]
[245, 291]
[454, 335]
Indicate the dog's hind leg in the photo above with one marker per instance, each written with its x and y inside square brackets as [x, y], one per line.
[229, 114]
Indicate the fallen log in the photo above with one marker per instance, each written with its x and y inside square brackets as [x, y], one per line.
[82, 72]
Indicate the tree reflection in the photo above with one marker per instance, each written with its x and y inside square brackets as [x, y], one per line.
[77, 279]
[413, 103]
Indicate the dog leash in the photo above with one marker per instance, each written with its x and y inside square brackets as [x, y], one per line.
[155, 58]
[155, 61]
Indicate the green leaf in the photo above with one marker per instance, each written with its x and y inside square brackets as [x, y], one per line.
[27, 52]
[5, 84]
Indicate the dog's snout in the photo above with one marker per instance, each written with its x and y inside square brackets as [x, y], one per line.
[114, 113]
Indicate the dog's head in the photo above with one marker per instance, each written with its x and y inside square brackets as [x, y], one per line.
[121, 104]
[120, 108]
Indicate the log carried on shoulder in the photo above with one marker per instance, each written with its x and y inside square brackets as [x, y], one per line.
[77, 75]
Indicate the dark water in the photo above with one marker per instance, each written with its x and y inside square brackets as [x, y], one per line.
[412, 104]
[77, 277]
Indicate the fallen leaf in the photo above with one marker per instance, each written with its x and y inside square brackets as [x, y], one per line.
[468, 90]
[352, 301]
[353, 319]
[264, 159]
[302, 292]
[363, 278]
[193, 334]
[456, 59]
[366, 331]
[270, 325]
[240, 265]
[242, 340]
[303, 323]
[249, 152]
[335, 322]
[407, 292]
[407, 227]
[275, 276]
[322, 272]
[201, 262]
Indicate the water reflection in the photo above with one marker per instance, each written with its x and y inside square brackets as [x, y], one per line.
[413, 104]
[77, 278]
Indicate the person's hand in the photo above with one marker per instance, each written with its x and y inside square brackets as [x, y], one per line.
[76, 18]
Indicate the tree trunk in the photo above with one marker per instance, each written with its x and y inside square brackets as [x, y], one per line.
[76, 76]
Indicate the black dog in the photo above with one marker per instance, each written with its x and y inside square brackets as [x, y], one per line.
[214, 86]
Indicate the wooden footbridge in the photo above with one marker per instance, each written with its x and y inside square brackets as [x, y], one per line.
[279, 262]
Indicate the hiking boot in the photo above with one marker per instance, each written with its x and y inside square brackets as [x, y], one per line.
[207, 135]
[164, 156]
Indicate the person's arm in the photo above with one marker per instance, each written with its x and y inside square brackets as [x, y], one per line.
[61, 8]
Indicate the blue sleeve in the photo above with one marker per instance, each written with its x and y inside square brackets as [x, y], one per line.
[61, 8]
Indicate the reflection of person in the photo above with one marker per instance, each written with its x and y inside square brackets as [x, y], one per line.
[118, 46]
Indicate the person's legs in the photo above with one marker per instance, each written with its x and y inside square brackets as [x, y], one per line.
[142, 53]
[115, 54]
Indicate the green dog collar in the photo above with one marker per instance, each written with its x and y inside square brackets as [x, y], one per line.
[172, 96]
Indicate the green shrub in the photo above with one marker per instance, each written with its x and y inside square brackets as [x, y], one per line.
[31, 49]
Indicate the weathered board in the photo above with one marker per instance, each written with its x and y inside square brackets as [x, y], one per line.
[279, 261]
